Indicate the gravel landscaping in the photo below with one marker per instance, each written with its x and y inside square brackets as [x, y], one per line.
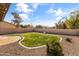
[11, 47]
[70, 48]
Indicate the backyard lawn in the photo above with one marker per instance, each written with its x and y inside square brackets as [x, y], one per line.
[38, 39]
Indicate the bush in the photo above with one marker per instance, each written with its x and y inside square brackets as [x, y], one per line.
[54, 49]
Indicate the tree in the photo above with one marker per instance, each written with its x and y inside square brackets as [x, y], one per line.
[17, 19]
[60, 25]
[76, 19]
[39, 26]
[71, 22]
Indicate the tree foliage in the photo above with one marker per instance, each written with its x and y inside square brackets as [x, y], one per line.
[17, 19]
[71, 22]
[39, 26]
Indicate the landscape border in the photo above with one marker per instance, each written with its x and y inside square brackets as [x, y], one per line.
[22, 38]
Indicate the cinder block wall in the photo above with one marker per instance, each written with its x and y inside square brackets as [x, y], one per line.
[42, 30]
[59, 31]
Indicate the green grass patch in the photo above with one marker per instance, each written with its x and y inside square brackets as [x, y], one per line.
[38, 39]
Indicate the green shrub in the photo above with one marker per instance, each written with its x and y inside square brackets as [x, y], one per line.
[54, 49]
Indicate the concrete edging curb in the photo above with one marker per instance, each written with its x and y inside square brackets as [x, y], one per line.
[61, 39]
[29, 47]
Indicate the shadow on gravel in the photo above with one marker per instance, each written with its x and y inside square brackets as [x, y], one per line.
[69, 40]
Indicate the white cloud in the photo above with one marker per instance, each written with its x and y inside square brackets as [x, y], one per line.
[24, 16]
[24, 8]
[58, 12]
[58, 18]
[35, 5]
[51, 11]
[21, 7]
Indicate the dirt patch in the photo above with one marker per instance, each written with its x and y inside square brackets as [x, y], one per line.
[8, 39]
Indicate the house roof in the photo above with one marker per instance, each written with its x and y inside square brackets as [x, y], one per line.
[3, 10]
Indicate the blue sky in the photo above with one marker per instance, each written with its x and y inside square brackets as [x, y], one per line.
[46, 14]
